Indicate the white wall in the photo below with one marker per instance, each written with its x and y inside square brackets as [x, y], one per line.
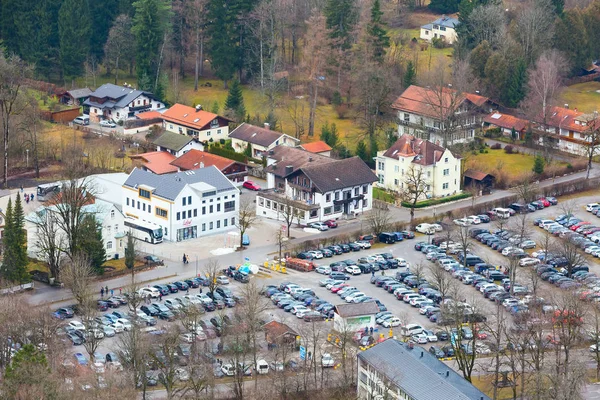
[220, 132]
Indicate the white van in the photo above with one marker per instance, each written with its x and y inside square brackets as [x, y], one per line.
[501, 212]
[427, 229]
[82, 120]
[412, 329]
[262, 367]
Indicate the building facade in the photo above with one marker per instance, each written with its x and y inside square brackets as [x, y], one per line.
[185, 205]
[119, 103]
[566, 129]
[443, 28]
[441, 169]
[177, 144]
[441, 115]
[196, 122]
[260, 140]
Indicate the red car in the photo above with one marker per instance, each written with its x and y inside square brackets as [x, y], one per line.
[545, 202]
[331, 223]
[251, 185]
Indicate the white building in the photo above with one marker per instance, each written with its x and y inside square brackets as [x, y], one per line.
[394, 370]
[195, 122]
[443, 28]
[319, 188]
[119, 103]
[441, 169]
[185, 205]
[260, 140]
[425, 113]
[355, 317]
[107, 214]
[566, 129]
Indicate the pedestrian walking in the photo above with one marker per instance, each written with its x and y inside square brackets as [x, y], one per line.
[160, 296]
[184, 259]
[382, 273]
[32, 196]
[187, 291]
[373, 272]
[112, 292]
[120, 290]
[102, 292]
[21, 188]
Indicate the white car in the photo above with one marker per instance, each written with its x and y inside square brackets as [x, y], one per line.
[316, 254]
[425, 228]
[461, 222]
[107, 124]
[327, 361]
[590, 207]
[323, 269]
[420, 338]
[437, 227]
[431, 337]
[510, 302]
[353, 270]
[392, 322]
[474, 219]
[204, 298]
[507, 250]
[591, 249]
[295, 309]
[118, 327]
[173, 304]
[346, 289]
[319, 225]
[364, 244]
[152, 292]
[126, 324]
[415, 300]
[192, 299]
[402, 263]
[528, 261]
[76, 325]
[355, 297]
[301, 312]
[291, 286]
[222, 280]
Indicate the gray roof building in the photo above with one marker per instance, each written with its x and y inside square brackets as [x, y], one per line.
[172, 141]
[339, 174]
[256, 135]
[414, 371]
[110, 96]
[80, 93]
[445, 21]
[168, 186]
[356, 309]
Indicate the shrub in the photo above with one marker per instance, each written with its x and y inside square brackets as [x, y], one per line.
[441, 200]
[508, 149]
[496, 146]
[336, 98]
[341, 110]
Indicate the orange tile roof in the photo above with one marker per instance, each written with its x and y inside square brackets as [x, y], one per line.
[506, 121]
[194, 158]
[158, 162]
[188, 116]
[427, 102]
[148, 115]
[316, 147]
[564, 118]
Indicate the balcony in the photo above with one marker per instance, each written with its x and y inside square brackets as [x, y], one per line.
[280, 197]
[140, 108]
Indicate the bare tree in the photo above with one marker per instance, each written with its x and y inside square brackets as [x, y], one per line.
[119, 44]
[488, 22]
[197, 20]
[134, 351]
[165, 358]
[528, 190]
[288, 212]
[535, 28]
[379, 220]
[571, 254]
[48, 241]
[31, 125]
[213, 270]
[414, 188]
[246, 218]
[592, 141]
[441, 280]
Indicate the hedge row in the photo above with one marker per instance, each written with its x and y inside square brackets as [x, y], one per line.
[232, 155]
[441, 200]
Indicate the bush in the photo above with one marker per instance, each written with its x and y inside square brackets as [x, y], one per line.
[341, 110]
[508, 149]
[441, 200]
[493, 133]
[496, 146]
[336, 98]
[438, 43]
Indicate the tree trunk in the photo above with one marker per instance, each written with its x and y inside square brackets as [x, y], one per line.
[117, 70]
[6, 133]
[313, 108]
[197, 61]
[202, 53]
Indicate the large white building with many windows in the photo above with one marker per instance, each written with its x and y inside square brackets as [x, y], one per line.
[185, 204]
[441, 170]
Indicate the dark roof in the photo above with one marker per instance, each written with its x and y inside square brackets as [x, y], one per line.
[172, 141]
[423, 151]
[276, 329]
[285, 156]
[79, 93]
[356, 309]
[120, 96]
[255, 135]
[339, 174]
[477, 175]
[168, 186]
[419, 373]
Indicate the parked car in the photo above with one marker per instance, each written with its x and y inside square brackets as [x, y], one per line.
[319, 225]
[251, 185]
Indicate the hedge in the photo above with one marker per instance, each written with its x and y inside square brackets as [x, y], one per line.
[441, 200]
[232, 155]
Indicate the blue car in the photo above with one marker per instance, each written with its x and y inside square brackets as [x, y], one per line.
[245, 240]
[81, 360]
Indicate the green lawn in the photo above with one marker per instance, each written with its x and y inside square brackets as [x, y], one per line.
[514, 164]
[582, 96]
[426, 59]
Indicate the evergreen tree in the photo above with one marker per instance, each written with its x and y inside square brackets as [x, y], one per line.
[444, 6]
[103, 14]
[130, 252]
[215, 107]
[479, 57]
[235, 101]
[341, 17]
[538, 164]
[150, 22]
[515, 84]
[7, 241]
[28, 372]
[379, 38]
[223, 38]
[361, 151]
[410, 75]
[513, 134]
[91, 243]
[329, 134]
[74, 30]
[14, 267]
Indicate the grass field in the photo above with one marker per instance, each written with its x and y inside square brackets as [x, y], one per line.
[514, 164]
[582, 96]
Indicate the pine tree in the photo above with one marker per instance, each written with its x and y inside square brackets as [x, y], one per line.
[215, 107]
[14, 268]
[91, 243]
[513, 134]
[515, 84]
[7, 241]
[74, 30]
[223, 39]
[379, 38]
[410, 75]
[235, 101]
[538, 164]
[361, 151]
[341, 18]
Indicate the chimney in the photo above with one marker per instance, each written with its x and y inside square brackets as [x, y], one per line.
[447, 374]
[421, 354]
[201, 164]
[199, 107]
[310, 159]
[289, 169]
[566, 106]
[267, 125]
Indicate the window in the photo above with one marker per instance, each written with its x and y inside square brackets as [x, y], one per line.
[313, 213]
[210, 209]
[210, 226]
[380, 179]
[380, 166]
[328, 197]
[365, 203]
[204, 210]
[117, 228]
[407, 117]
[446, 159]
[178, 216]
[108, 230]
[396, 168]
[144, 193]
[447, 172]
[218, 133]
[429, 174]
[436, 124]
[144, 207]
[149, 209]
[365, 189]
[189, 214]
[327, 210]
[232, 220]
[428, 188]
[127, 200]
[138, 205]
[184, 201]
[203, 227]
[218, 207]
[225, 223]
[396, 182]
[195, 212]
[230, 205]
[337, 195]
[189, 200]
[109, 245]
[356, 191]
[218, 224]
[445, 185]
[160, 212]
[112, 214]
[261, 202]
[268, 203]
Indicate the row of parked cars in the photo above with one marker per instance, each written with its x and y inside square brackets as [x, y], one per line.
[302, 302]
[342, 270]
[509, 243]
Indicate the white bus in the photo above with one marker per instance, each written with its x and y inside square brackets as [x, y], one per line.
[48, 190]
[146, 231]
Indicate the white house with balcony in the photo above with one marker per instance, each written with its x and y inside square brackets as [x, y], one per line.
[108, 216]
[185, 205]
[195, 122]
[443, 28]
[441, 169]
[317, 187]
[118, 103]
[434, 113]
[259, 139]
[567, 129]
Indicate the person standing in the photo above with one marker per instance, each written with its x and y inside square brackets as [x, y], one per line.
[160, 296]
[112, 292]
[102, 292]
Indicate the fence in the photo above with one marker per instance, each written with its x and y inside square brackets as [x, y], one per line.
[17, 289]
[62, 116]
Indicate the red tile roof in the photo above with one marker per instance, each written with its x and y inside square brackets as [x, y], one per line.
[316, 147]
[423, 151]
[158, 162]
[427, 102]
[564, 118]
[195, 159]
[506, 121]
[188, 116]
[148, 115]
